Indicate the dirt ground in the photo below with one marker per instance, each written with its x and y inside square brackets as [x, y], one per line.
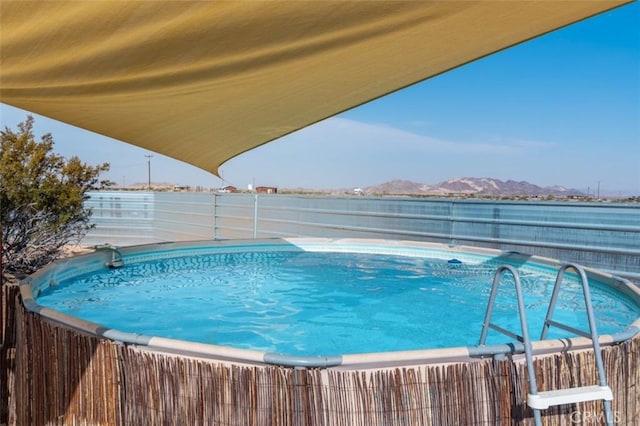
[75, 250]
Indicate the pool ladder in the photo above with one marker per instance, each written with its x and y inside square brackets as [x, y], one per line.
[543, 400]
[116, 260]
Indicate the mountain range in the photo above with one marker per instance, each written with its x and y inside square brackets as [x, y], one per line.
[471, 186]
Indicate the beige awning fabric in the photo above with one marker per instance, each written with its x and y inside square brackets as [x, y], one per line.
[203, 81]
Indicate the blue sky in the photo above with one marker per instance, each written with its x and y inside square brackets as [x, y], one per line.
[563, 109]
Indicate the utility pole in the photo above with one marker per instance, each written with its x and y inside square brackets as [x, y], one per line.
[598, 189]
[149, 171]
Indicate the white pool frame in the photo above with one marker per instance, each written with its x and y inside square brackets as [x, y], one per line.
[67, 268]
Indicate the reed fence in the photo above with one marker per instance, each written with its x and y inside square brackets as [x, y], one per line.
[62, 377]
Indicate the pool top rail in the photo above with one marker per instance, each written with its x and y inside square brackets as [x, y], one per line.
[65, 268]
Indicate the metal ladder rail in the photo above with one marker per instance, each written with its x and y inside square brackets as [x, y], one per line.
[601, 391]
[526, 341]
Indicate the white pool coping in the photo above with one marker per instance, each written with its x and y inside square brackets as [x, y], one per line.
[66, 268]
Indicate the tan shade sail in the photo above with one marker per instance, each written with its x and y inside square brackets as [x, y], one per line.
[203, 81]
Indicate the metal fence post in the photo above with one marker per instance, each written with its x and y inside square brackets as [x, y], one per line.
[452, 221]
[215, 217]
[255, 216]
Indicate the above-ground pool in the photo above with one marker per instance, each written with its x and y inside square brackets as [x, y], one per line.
[317, 297]
[256, 332]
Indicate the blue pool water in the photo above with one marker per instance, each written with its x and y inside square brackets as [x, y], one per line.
[307, 303]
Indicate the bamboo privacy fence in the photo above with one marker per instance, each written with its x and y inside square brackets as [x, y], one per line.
[60, 377]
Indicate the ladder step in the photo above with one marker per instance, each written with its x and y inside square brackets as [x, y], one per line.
[544, 400]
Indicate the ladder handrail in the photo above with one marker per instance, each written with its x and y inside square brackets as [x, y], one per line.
[593, 335]
[526, 341]
[563, 396]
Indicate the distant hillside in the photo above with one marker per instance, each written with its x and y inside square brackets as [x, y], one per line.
[471, 186]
